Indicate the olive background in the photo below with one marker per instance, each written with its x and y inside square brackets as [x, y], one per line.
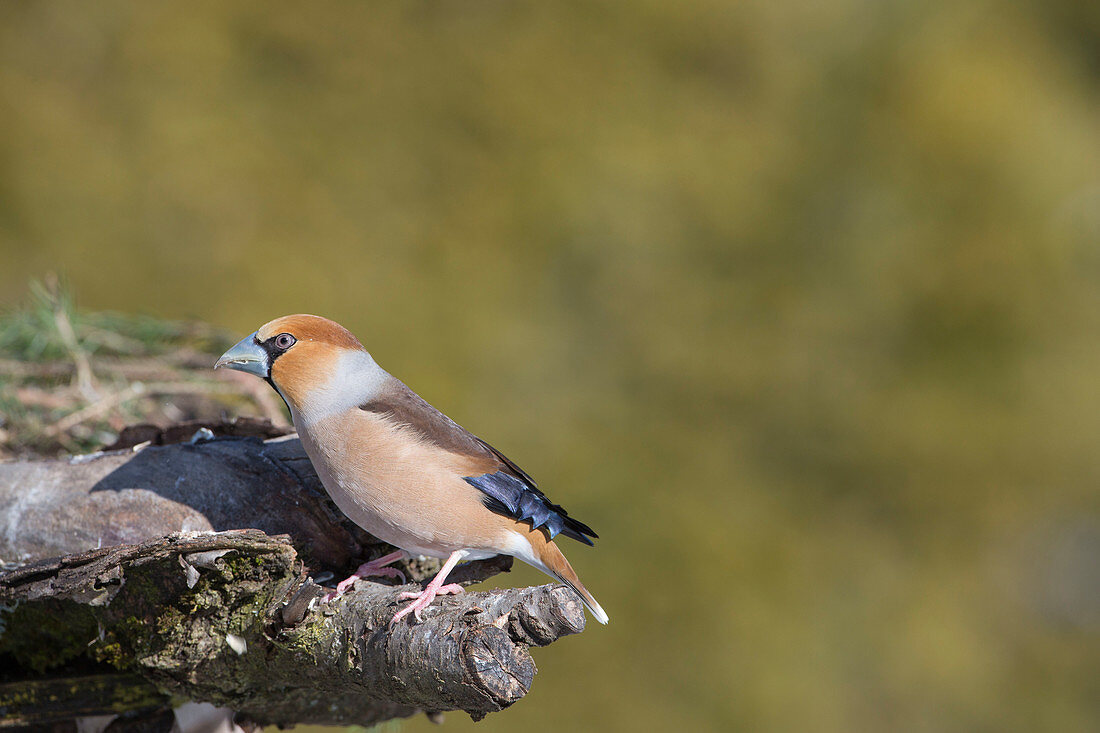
[795, 303]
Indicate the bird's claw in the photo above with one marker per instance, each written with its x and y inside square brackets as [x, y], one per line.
[366, 570]
[423, 599]
[391, 573]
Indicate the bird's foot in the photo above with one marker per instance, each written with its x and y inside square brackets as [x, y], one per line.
[424, 598]
[374, 568]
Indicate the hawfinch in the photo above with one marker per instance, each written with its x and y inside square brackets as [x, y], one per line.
[401, 469]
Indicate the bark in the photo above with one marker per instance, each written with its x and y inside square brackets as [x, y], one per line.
[56, 507]
[218, 614]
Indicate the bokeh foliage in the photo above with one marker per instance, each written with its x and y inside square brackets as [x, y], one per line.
[71, 380]
[795, 303]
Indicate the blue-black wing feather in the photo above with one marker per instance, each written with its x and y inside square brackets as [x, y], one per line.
[513, 497]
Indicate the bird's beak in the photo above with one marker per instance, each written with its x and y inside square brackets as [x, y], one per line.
[247, 356]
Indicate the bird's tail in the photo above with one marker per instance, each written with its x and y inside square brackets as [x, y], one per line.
[552, 562]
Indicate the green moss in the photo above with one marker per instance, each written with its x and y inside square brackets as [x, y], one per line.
[41, 636]
[110, 653]
[139, 695]
[244, 567]
[170, 621]
[306, 638]
[122, 644]
[155, 623]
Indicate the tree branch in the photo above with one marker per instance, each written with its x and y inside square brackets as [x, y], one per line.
[230, 616]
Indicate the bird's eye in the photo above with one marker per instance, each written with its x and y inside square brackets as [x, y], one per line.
[284, 341]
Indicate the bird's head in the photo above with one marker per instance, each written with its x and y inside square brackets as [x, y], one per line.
[316, 364]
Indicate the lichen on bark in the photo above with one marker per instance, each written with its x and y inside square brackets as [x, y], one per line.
[215, 617]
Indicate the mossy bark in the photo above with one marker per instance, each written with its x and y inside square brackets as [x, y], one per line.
[226, 618]
[231, 617]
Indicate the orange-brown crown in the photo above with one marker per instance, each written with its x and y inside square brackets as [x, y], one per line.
[305, 327]
[311, 362]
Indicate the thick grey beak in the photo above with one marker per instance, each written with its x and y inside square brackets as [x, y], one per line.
[246, 356]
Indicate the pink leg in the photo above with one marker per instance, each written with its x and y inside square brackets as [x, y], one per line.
[368, 569]
[424, 598]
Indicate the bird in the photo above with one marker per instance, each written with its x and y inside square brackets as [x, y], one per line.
[401, 469]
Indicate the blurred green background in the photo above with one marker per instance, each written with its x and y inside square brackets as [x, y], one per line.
[796, 303]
